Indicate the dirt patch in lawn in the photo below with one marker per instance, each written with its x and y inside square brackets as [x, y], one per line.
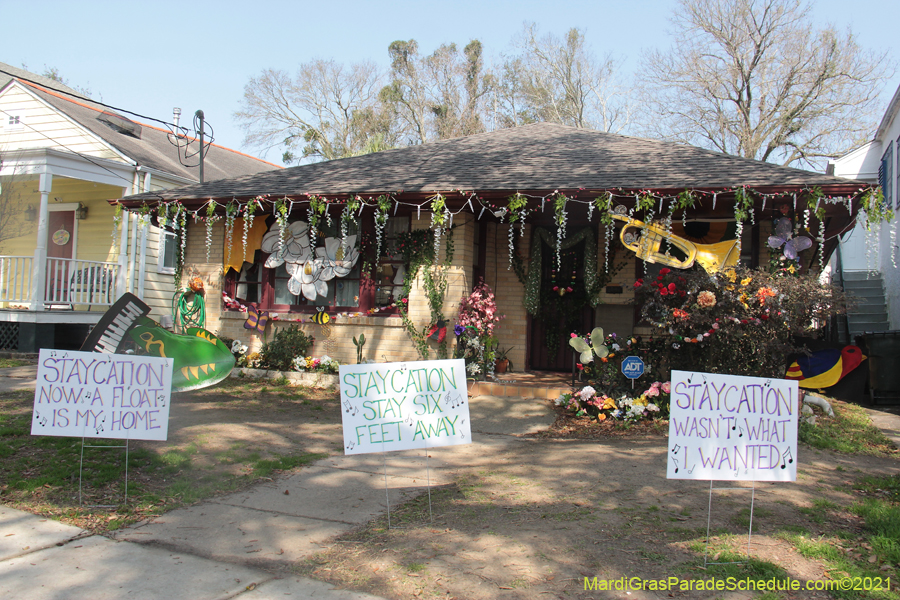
[536, 519]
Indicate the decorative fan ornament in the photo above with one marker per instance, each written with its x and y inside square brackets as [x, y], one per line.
[792, 246]
[596, 346]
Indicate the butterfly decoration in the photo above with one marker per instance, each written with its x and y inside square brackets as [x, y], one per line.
[256, 319]
[792, 246]
[588, 351]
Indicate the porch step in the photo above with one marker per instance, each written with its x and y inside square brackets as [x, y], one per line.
[870, 313]
[515, 389]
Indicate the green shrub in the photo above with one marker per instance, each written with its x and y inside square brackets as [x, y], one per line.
[287, 344]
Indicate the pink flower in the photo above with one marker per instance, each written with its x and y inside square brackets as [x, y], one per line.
[666, 387]
[653, 391]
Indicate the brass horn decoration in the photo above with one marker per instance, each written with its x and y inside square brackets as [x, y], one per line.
[645, 240]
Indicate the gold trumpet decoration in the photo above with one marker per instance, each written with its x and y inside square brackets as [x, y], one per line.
[645, 240]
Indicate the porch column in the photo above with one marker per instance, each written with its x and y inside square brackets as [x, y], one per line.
[39, 268]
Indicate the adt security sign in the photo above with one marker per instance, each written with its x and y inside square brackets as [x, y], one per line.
[632, 367]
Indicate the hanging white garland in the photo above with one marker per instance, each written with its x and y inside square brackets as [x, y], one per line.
[561, 218]
[249, 215]
[231, 212]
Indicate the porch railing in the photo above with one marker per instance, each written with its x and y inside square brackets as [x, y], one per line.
[15, 279]
[72, 282]
[68, 283]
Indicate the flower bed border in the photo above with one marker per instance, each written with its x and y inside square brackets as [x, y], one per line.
[294, 377]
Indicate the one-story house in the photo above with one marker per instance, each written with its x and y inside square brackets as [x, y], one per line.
[62, 158]
[522, 208]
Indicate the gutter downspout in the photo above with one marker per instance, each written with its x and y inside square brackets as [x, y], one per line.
[39, 268]
[122, 285]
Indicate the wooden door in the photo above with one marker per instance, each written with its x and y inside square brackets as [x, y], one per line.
[60, 244]
[562, 312]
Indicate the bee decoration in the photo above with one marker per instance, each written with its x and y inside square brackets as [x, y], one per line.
[321, 317]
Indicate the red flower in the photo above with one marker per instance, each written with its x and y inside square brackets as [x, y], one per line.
[663, 291]
[638, 283]
[744, 321]
[664, 271]
[671, 288]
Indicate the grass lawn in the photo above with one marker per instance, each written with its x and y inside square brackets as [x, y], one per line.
[41, 473]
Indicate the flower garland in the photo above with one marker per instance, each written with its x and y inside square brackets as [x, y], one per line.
[181, 218]
[439, 215]
[249, 211]
[316, 207]
[211, 218]
[517, 208]
[381, 219]
[281, 210]
[559, 205]
[348, 215]
[117, 219]
[231, 212]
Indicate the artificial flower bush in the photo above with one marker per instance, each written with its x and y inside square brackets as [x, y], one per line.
[326, 364]
[652, 403]
[474, 330]
[739, 321]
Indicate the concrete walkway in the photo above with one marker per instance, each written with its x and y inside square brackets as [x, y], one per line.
[243, 545]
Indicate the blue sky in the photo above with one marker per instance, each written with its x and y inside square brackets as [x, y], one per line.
[148, 57]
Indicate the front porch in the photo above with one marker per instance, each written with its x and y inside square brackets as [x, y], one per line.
[54, 306]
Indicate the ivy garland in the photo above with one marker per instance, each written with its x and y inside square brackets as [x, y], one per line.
[532, 300]
[419, 254]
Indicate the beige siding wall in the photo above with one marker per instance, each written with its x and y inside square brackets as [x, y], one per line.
[44, 127]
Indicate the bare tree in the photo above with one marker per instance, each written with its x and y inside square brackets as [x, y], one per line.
[327, 111]
[14, 190]
[438, 96]
[561, 81]
[754, 78]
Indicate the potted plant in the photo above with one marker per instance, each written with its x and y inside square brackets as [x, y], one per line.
[502, 363]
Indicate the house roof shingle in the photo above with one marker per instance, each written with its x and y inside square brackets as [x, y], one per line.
[537, 157]
[152, 149]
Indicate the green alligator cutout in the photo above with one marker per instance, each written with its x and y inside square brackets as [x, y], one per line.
[201, 359]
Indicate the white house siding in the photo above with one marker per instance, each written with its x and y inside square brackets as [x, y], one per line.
[859, 250]
[158, 287]
[44, 127]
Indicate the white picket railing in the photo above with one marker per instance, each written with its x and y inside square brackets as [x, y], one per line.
[75, 282]
[68, 283]
[15, 278]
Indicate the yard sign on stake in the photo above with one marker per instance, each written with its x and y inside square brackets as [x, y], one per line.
[94, 395]
[732, 428]
[404, 406]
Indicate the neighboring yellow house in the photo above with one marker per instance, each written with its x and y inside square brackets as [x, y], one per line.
[62, 158]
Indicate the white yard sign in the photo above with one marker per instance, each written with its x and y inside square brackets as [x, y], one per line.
[93, 395]
[732, 428]
[400, 406]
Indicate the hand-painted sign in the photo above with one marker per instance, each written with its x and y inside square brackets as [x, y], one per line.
[632, 367]
[399, 406]
[93, 395]
[732, 428]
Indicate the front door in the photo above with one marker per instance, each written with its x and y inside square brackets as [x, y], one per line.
[562, 311]
[60, 245]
